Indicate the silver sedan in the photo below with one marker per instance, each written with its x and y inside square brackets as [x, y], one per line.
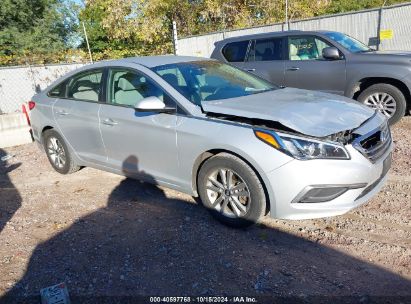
[243, 145]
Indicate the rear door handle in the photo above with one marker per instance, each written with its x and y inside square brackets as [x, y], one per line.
[293, 69]
[251, 70]
[62, 113]
[109, 122]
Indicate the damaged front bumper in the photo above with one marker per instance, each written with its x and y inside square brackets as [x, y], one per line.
[326, 187]
[362, 179]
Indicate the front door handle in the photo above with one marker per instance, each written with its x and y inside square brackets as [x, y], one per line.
[250, 70]
[62, 113]
[293, 69]
[109, 122]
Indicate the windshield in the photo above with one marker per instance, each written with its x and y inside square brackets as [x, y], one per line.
[348, 42]
[211, 80]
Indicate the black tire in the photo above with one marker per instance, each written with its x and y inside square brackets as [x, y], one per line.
[390, 90]
[69, 165]
[255, 205]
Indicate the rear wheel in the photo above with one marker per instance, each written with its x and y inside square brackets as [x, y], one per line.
[58, 153]
[385, 98]
[230, 189]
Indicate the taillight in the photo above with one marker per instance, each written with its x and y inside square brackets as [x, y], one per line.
[32, 104]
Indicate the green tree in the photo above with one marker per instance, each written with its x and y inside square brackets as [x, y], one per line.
[146, 25]
[342, 6]
[28, 28]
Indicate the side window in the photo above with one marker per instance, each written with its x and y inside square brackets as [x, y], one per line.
[128, 88]
[58, 91]
[85, 86]
[266, 50]
[321, 44]
[235, 51]
[306, 48]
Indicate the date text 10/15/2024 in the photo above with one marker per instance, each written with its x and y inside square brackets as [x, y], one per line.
[205, 299]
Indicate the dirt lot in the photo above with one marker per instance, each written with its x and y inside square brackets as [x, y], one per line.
[105, 235]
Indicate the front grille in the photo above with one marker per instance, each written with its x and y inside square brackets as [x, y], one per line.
[374, 144]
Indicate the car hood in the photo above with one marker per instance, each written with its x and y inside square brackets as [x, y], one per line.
[311, 113]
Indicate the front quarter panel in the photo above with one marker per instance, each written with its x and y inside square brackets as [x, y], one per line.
[196, 136]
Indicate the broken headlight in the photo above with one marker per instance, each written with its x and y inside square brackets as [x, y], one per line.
[303, 148]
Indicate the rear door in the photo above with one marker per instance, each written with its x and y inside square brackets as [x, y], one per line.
[305, 67]
[266, 59]
[76, 115]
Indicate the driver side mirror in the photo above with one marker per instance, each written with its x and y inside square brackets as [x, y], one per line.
[331, 53]
[153, 104]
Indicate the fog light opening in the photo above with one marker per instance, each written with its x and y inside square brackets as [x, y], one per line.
[324, 193]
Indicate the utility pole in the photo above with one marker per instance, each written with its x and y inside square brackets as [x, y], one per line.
[88, 46]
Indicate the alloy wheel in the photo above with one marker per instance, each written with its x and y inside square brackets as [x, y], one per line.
[382, 102]
[56, 152]
[228, 193]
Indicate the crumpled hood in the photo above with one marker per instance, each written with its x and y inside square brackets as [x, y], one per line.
[307, 112]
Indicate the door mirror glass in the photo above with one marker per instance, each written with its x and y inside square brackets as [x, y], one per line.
[153, 104]
[331, 53]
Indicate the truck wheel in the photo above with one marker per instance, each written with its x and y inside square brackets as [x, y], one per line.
[387, 99]
[230, 189]
[58, 153]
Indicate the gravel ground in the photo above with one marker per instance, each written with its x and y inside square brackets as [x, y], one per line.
[105, 235]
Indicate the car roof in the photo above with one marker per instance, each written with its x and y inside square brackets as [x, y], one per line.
[152, 61]
[271, 34]
[147, 61]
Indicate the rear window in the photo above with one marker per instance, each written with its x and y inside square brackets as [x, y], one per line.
[235, 51]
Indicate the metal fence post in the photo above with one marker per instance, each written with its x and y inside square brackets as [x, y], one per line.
[379, 28]
[286, 15]
[380, 12]
[175, 38]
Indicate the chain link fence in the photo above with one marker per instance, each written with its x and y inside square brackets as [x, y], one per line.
[18, 84]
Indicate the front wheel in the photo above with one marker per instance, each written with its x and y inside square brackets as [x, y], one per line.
[58, 153]
[230, 189]
[387, 99]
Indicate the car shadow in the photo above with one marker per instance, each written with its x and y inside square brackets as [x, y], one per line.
[10, 199]
[144, 243]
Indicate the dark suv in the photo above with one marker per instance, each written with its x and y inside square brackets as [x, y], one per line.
[326, 61]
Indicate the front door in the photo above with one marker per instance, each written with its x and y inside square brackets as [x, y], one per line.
[138, 144]
[76, 115]
[307, 69]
